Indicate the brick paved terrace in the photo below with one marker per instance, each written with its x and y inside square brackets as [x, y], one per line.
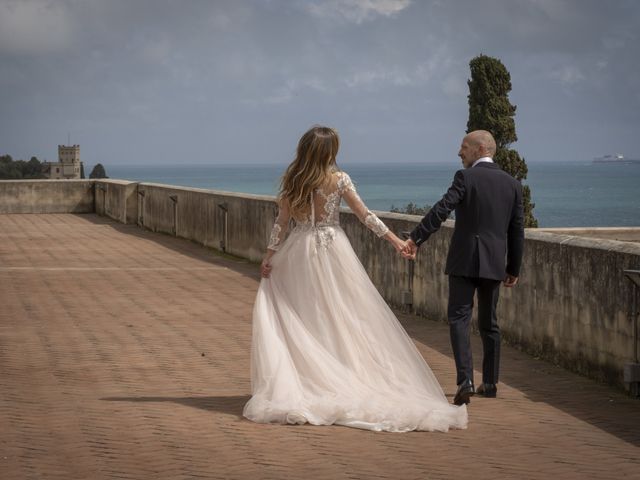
[125, 354]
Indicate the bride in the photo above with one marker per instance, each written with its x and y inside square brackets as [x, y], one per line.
[326, 348]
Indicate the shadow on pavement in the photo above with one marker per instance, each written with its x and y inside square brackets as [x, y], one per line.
[231, 405]
[600, 405]
[180, 245]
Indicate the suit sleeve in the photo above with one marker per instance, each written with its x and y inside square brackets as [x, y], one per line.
[515, 235]
[440, 211]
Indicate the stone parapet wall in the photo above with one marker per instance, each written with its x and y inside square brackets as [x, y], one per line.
[236, 223]
[46, 196]
[117, 199]
[623, 234]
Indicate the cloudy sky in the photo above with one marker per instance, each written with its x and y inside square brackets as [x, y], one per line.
[161, 81]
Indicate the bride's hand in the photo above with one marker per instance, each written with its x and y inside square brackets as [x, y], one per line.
[410, 250]
[398, 244]
[265, 267]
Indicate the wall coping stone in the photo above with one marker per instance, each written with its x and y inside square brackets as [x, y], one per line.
[210, 191]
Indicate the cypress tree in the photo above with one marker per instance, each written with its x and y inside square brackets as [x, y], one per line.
[491, 110]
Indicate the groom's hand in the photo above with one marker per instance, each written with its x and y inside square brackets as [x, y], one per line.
[510, 281]
[410, 250]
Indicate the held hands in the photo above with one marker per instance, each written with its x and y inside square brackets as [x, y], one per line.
[410, 250]
[407, 249]
[398, 245]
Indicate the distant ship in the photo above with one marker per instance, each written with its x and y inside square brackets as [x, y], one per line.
[617, 158]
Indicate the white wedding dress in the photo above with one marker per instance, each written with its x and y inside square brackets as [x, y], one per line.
[326, 348]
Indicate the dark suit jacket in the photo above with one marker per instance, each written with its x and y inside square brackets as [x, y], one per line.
[489, 223]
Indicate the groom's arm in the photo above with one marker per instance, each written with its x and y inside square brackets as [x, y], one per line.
[515, 235]
[440, 211]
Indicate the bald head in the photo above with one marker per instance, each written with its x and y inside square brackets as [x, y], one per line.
[475, 145]
[483, 140]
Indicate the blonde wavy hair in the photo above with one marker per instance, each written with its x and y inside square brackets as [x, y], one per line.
[314, 163]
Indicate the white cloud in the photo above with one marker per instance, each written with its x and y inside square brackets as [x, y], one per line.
[221, 21]
[614, 41]
[378, 77]
[455, 86]
[291, 88]
[567, 75]
[357, 10]
[438, 63]
[552, 8]
[156, 51]
[34, 27]
[283, 94]
[142, 112]
[225, 16]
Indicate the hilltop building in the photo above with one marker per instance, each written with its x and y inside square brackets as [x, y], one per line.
[68, 164]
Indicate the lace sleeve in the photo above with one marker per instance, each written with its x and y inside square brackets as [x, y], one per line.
[280, 226]
[357, 206]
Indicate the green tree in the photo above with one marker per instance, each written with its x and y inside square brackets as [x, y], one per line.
[98, 172]
[9, 169]
[491, 110]
[19, 169]
[33, 169]
[411, 209]
[6, 167]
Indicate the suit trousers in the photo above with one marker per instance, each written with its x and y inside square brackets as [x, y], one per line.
[460, 309]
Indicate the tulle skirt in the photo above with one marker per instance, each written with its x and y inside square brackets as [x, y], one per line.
[326, 348]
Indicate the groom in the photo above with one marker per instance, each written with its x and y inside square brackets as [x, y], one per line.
[488, 227]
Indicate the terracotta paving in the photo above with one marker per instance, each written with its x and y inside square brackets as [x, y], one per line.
[125, 354]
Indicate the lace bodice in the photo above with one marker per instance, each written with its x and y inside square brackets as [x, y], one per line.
[325, 213]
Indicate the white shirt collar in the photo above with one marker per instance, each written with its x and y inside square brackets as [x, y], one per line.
[482, 159]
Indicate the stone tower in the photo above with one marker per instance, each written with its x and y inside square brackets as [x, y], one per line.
[68, 165]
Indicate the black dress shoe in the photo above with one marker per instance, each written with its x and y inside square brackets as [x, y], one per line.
[488, 390]
[464, 393]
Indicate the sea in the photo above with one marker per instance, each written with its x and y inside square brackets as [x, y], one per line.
[565, 194]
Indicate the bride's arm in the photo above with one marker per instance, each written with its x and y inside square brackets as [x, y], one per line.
[278, 232]
[366, 216]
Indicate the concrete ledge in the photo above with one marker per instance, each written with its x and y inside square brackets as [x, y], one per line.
[117, 199]
[623, 234]
[46, 196]
[223, 193]
[236, 223]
